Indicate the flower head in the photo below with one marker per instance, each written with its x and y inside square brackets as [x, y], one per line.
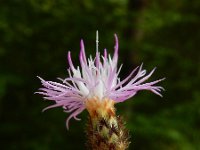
[95, 78]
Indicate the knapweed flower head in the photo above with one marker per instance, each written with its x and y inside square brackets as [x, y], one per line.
[95, 78]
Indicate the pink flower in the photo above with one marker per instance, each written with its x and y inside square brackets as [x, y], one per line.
[96, 77]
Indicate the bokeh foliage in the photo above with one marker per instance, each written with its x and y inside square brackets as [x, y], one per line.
[35, 36]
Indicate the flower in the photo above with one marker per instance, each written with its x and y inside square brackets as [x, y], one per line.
[95, 78]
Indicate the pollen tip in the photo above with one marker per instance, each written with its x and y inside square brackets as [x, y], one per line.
[97, 40]
[36, 93]
[39, 78]
[43, 110]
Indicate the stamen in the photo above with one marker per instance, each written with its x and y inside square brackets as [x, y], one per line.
[97, 40]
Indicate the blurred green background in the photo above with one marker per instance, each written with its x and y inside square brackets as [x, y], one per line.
[35, 36]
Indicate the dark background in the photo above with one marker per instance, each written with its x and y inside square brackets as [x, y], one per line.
[35, 36]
